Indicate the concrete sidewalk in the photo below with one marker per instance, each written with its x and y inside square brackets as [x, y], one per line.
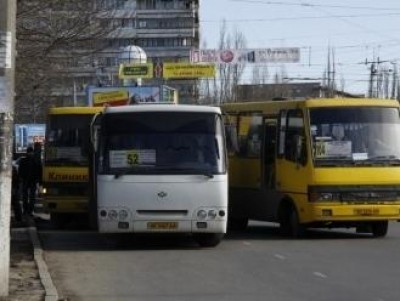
[29, 276]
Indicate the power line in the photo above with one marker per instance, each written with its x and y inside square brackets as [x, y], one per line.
[300, 18]
[307, 4]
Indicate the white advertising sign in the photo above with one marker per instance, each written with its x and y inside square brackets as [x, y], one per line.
[3, 92]
[134, 157]
[5, 49]
[237, 56]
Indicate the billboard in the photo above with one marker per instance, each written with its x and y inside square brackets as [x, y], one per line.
[186, 70]
[238, 56]
[116, 96]
[112, 96]
[133, 71]
[27, 134]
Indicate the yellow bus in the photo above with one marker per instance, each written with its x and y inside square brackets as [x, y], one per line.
[316, 163]
[66, 189]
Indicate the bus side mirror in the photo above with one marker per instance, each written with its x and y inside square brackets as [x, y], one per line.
[95, 139]
[94, 132]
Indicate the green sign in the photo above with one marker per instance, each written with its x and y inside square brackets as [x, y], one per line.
[135, 71]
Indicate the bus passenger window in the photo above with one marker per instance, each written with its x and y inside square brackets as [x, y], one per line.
[250, 136]
[231, 139]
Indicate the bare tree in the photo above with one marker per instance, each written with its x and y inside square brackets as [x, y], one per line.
[53, 37]
[229, 75]
[260, 74]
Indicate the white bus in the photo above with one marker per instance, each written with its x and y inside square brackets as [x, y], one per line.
[160, 168]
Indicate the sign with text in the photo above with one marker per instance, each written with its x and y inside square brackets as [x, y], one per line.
[5, 49]
[111, 97]
[186, 70]
[132, 71]
[238, 56]
[125, 95]
[27, 134]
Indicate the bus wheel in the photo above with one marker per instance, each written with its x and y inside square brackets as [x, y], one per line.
[208, 239]
[379, 229]
[290, 223]
[238, 224]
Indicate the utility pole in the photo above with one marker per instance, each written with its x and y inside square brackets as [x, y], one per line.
[8, 10]
[394, 81]
[375, 72]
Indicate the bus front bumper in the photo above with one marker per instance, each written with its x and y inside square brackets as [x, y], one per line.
[164, 226]
[359, 212]
[65, 205]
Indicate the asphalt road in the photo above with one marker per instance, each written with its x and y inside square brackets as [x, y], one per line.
[257, 264]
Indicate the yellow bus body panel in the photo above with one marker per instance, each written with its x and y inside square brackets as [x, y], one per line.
[56, 176]
[63, 203]
[293, 181]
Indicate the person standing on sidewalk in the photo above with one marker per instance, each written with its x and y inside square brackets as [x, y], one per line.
[15, 195]
[30, 172]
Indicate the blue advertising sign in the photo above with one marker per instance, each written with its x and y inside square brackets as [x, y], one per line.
[27, 134]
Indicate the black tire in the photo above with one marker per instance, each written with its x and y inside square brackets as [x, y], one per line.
[290, 223]
[238, 224]
[297, 230]
[379, 229]
[208, 239]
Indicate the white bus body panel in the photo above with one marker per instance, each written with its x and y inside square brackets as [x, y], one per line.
[162, 199]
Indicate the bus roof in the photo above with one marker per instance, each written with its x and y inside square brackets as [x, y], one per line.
[74, 110]
[163, 108]
[277, 105]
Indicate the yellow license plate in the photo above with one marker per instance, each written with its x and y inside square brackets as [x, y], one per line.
[162, 225]
[366, 211]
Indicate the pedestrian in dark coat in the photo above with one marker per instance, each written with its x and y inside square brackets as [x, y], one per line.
[29, 171]
[15, 195]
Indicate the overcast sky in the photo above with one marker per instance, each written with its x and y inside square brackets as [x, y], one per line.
[357, 30]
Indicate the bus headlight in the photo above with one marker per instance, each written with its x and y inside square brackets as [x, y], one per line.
[112, 215]
[212, 214]
[122, 215]
[322, 194]
[50, 191]
[202, 214]
[42, 190]
[321, 197]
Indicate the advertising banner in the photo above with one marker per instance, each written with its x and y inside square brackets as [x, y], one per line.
[27, 134]
[111, 97]
[186, 70]
[116, 96]
[238, 56]
[133, 71]
[5, 49]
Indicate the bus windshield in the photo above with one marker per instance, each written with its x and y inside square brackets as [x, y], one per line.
[355, 135]
[159, 143]
[67, 140]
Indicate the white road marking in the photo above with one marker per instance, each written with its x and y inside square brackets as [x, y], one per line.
[279, 256]
[318, 274]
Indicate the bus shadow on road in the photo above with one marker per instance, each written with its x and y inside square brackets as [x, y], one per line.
[92, 241]
[270, 231]
[81, 239]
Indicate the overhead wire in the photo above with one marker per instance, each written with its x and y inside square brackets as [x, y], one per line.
[308, 4]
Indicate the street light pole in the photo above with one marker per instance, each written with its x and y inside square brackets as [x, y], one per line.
[8, 10]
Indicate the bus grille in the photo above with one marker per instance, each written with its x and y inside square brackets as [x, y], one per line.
[163, 212]
[366, 196]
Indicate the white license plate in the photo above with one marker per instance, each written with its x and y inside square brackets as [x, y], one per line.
[162, 225]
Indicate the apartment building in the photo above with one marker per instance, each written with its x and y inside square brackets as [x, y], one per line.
[165, 29]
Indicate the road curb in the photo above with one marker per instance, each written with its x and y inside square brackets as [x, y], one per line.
[51, 291]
